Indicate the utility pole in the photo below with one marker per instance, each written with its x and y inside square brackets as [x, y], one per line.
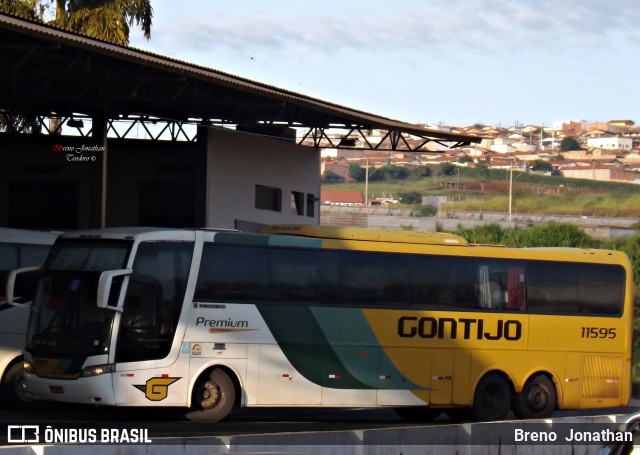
[366, 180]
[510, 188]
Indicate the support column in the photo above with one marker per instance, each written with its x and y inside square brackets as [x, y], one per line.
[201, 177]
[99, 133]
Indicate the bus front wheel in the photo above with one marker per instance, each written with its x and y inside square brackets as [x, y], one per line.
[537, 400]
[492, 398]
[14, 391]
[213, 398]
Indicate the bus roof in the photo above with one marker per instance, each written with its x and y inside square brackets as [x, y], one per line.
[365, 234]
[24, 236]
[119, 232]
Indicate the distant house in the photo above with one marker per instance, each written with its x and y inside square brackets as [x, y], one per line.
[611, 143]
[624, 123]
[342, 198]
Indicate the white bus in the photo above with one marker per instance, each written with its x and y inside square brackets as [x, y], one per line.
[18, 248]
[316, 316]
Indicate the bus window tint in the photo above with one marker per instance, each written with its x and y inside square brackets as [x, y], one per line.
[444, 282]
[304, 276]
[32, 255]
[233, 273]
[568, 288]
[376, 279]
[601, 289]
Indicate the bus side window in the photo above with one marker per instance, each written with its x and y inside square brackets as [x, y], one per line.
[501, 286]
[154, 300]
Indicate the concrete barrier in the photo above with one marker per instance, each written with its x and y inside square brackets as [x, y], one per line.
[459, 439]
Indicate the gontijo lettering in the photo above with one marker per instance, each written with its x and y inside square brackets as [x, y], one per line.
[470, 328]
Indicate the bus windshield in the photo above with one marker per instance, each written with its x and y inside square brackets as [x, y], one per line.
[65, 319]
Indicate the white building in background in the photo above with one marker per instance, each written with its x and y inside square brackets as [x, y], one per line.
[611, 143]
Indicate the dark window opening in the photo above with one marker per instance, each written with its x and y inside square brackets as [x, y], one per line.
[297, 203]
[268, 198]
[311, 205]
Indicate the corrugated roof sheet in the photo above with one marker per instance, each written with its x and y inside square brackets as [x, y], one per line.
[219, 78]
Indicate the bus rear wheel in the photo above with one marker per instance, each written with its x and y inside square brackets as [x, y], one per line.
[537, 400]
[213, 398]
[492, 398]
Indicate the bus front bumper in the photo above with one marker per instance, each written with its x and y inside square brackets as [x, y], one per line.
[91, 390]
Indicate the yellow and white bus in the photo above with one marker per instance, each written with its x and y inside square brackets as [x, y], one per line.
[318, 316]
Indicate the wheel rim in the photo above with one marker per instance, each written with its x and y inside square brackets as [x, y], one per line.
[210, 395]
[538, 398]
[21, 391]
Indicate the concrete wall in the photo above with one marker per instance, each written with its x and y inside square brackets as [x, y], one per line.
[237, 162]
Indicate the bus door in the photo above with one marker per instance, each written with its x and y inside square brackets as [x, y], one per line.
[149, 367]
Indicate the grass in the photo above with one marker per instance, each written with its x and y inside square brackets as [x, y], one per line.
[542, 196]
[627, 206]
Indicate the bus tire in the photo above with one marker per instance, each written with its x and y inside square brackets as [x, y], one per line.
[491, 399]
[537, 400]
[14, 391]
[213, 398]
[418, 413]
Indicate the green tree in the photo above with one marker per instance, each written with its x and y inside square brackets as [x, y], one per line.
[569, 143]
[356, 172]
[541, 166]
[104, 19]
[410, 197]
[446, 169]
[108, 20]
[482, 172]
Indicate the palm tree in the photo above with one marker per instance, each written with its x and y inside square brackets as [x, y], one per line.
[31, 9]
[109, 20]
[104, 19]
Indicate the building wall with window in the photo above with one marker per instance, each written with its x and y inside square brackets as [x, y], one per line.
[611, 143]
[255, 180]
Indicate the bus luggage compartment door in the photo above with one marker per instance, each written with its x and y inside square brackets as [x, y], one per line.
[442, 363]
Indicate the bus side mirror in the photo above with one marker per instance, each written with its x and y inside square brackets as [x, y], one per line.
[23, 282]
[111, 289]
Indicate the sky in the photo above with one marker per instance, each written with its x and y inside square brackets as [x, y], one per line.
[451, 62]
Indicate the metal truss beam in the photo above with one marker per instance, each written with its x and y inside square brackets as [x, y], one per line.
[356, 138]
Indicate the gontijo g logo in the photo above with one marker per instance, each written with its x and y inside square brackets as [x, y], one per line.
[156, 389]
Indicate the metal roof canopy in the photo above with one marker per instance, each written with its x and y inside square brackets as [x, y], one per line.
[46, 69]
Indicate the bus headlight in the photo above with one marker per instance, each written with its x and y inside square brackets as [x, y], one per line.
[97, 370]
[28, 367]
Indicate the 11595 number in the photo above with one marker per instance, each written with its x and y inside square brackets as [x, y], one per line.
[598, 332]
